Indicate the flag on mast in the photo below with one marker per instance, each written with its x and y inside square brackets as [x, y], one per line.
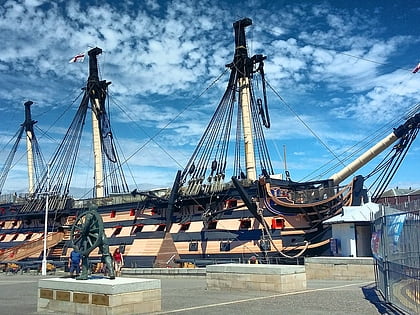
[416, 69]
[78, 58]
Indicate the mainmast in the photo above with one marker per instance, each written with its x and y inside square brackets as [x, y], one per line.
[205, 172]
[97, 94]
[244, 65]
[29, 130]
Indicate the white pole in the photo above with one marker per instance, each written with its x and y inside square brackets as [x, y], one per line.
[245, 104]
[44, 259]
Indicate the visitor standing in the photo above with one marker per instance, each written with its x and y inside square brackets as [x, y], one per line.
[118, 261]
[75, 260]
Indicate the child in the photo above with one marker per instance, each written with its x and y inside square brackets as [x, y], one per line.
[74, 262]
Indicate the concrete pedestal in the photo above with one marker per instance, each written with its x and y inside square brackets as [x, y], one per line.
[277, 278]
[99, 296]
[340, 268]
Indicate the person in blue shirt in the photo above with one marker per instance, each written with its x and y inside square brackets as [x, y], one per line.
[75, 260]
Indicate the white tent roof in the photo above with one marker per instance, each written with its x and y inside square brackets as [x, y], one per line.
[355, 214]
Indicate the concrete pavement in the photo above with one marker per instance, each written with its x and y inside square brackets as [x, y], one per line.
[18, 295]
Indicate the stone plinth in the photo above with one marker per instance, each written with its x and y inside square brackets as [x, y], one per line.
[99, 296]
[340, 268]
[277, 278]
[165, 272]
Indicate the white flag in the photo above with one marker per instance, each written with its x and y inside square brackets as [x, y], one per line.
[78, 58]
[416, 69]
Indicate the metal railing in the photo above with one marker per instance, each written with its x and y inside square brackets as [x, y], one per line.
[396, 250]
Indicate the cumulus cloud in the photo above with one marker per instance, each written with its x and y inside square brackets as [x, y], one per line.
[337, 67]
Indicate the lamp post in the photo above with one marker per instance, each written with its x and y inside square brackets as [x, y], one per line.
[44, 258]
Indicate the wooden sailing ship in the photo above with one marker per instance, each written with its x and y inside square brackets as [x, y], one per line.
[214, 211]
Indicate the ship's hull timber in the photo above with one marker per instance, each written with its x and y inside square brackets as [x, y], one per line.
[139, 226]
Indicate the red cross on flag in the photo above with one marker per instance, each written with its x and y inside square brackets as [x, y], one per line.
[78, 58]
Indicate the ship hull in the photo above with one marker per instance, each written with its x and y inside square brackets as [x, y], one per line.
[206, 229]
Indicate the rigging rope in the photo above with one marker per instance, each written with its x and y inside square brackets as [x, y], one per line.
[304, 123]
[7, 165]
[152, 138]
[267, 229]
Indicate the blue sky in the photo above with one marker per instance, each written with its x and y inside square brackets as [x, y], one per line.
[344, 67]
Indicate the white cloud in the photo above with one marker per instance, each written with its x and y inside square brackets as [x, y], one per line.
[328, 63]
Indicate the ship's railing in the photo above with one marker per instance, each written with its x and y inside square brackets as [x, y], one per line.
[396, 250]
[14, 198]
[122, 198]
[306, 195]
[55, 202]
[202, 186]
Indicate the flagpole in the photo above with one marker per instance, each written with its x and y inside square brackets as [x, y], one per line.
[44, 259]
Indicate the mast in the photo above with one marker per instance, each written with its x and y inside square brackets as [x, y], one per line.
[398, 133]
[239, 101]
[97, 94]
[29, 129]
[243, 65]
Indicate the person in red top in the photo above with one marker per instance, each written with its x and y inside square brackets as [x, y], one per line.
[118, 261]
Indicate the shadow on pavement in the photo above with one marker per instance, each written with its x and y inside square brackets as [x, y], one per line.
[373, 296]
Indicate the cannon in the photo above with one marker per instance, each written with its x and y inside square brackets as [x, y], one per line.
[87, 233]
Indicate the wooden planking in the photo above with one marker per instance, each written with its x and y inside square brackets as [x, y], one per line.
[9, 237]
[108, 232]
[175, 228]
[119, 216]
[196, 226]
[21, 237]
[150, 228]
[36, 236]
[228, 224]
[123, 216]
[144, 247]
[95, 252]
[37, 255]
[126, 231]
[213, 247]
[8, 225]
